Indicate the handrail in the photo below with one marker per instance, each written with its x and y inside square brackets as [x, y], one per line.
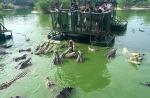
[80, 12]
[81, 21]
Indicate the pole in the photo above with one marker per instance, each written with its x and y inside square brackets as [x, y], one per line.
[85, 3]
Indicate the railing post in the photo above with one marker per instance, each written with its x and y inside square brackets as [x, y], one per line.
[90, 22]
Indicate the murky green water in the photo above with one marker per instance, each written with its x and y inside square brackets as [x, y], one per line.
[96, 78]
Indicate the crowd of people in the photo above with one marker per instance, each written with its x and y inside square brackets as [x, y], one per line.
[99, 7]
[89, 7]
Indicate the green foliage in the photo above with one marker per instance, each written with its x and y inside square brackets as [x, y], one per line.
[1, 6]
[6, 6]
[46, 5]
[43, 5]
[1, 13]
[66, 3]
[10, 6]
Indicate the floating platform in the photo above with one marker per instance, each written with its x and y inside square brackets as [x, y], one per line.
[84, 38]
[118, 25]
[87, 26]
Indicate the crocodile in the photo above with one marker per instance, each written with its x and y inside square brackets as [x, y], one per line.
[20, 58]
[24, 63]
[10, 82]
[111, 53]
[147, 84]
[65, 93]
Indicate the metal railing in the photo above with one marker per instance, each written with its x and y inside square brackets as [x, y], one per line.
[75, 21]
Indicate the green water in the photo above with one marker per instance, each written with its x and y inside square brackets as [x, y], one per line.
[95, 78]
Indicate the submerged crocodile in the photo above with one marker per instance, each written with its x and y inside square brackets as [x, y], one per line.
[56, 59]
[24, 63]
[49, 83]
[111, 53]
[17, 97]
[141, 30]
[5, 46]
[20, 58]
[65, 93]
[147, 84]
[43, 48]
[80, 58]
[25, 50]
[4, 53]
[10, 82]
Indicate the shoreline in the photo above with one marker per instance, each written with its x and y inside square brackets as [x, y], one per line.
[118, 8]
[134, 8]
[15, 7]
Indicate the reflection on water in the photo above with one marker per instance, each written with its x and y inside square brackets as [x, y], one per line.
[45, 20]
[142, 14]
[133, 38]
[18, 12]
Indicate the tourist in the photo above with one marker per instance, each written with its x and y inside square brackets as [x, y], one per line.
[57, 20]
[74, 15]
[74, 6]
[56, 7]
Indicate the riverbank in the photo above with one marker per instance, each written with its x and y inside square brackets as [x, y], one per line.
[134, 8]
[21, 6]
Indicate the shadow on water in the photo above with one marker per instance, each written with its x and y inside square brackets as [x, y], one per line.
[119, 33]
[135, 66]
[126, 14]
[45, 20]
[89, 76]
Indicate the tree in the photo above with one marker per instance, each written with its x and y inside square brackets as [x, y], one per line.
[46, 5]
